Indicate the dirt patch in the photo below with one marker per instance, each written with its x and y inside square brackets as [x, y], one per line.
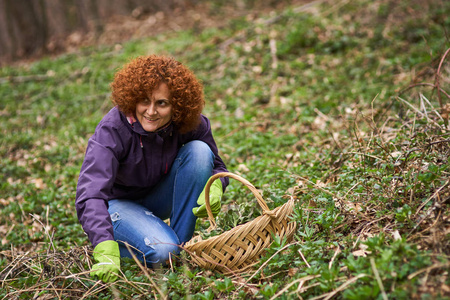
[138, 24]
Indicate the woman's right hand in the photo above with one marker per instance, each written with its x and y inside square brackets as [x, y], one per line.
[107, 256]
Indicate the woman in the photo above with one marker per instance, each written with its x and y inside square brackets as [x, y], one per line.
[148, 160]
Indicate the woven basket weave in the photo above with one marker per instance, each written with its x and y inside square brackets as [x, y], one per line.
[238, 249]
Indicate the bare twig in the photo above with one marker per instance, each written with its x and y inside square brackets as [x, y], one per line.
[432, 196]
[437, 78]
[340, 288]
[423, 84]
[338, 250]
[21, 79]
[303, 257]
[300, 280]
[418, 111]
[273, 52]
[423, 98]
[377, 277]
[438, 142]
[143, 269]
[432, 267]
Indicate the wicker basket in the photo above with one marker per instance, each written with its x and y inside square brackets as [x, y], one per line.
[238, 249]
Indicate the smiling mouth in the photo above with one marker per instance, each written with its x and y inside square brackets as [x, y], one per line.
[151, 120]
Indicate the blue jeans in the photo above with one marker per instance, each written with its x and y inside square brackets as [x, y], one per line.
[139, 222]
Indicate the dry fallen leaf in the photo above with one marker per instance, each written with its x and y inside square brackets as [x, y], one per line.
[292, 271]
[4, 202]
[362, 253]
[396, 235]
[243, 168]
[39, 183]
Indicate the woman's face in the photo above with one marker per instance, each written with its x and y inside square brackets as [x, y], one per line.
[156, 111]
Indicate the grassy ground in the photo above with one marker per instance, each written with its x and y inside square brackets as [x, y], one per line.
[342, 105]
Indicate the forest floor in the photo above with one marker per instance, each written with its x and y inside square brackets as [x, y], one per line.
[342, 106]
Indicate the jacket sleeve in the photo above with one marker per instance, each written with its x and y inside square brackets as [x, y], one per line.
[95, 183]
[204, 133]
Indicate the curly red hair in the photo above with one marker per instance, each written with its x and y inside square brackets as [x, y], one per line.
[144, 74]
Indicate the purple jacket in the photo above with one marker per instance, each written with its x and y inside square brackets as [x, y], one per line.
[123, 161]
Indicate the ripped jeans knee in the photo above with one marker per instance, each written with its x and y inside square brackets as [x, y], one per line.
[141, 234]
[115, 217]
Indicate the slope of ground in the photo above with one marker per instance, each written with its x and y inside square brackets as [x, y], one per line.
[342, 105]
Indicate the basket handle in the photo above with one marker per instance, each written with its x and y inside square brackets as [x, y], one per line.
[255, 192]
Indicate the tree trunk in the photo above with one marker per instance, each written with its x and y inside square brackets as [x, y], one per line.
[26, 28]
[95, 17]
[33, 27]
[6, 35]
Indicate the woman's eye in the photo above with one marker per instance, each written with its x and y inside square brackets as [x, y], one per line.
[163, 103]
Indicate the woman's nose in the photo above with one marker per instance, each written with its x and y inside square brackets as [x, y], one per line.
[151, 110]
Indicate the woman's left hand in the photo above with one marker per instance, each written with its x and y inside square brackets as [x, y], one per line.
[215, 195]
